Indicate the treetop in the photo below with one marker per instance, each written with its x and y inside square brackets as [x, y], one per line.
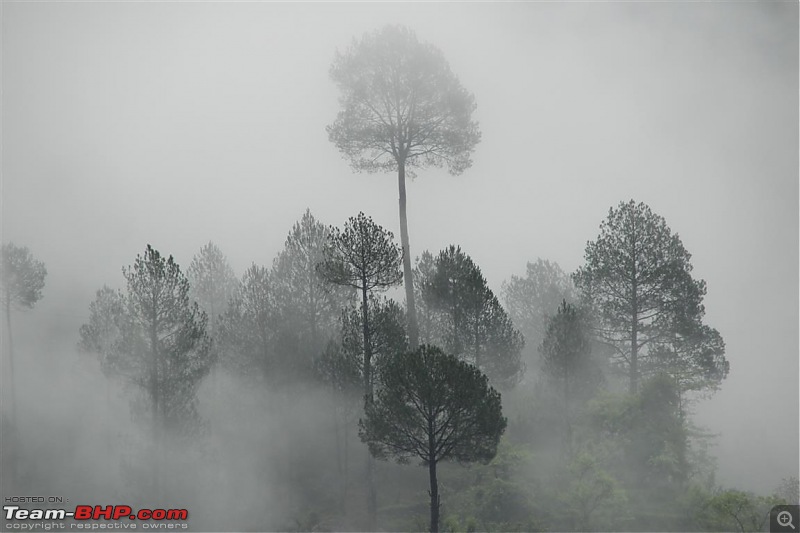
[401, 105]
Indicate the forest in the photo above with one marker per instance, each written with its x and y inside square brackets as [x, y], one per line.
[356, 383]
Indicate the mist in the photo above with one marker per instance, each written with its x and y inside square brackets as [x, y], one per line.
[179, 124]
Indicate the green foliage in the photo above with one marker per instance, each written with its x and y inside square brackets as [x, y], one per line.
[650, 430]
[643, 442]
[433, 407]
[466, 317]
[502, 495]
[401, 105]
[501, 503]
[637, 280]
[593, 498]
[735, 510]
[22, 277]
[450, 524]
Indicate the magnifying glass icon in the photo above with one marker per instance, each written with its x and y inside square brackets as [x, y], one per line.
[784, 519]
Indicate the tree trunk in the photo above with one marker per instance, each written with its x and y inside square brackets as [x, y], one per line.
[312, 312]
[155, 398]
[408, 276]
[434, 492]
[368, 399]
[634, 370]
[634, 367]
[367, 347]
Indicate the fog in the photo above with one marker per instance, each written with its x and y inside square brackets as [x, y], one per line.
[177, 124]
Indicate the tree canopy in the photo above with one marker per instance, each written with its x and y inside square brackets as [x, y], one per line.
[362, 256]
[465, 317]
[637, 279]
[434, 407]
[212, 282]
[566, 352]
[387, 329]
[22, 277]
[154, 337]
[402, 105]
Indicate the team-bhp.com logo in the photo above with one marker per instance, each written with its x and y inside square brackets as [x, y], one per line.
[96, 512]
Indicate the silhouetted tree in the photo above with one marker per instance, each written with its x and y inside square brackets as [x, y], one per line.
[469, 320]
[22, 283]
[363, 256]
[637, 280]
[387, 333]
[403, 108]
[433, 407]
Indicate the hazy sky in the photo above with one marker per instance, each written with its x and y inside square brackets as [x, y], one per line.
[179, 123]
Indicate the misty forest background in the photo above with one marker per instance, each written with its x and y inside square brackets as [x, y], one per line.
[248, 396]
